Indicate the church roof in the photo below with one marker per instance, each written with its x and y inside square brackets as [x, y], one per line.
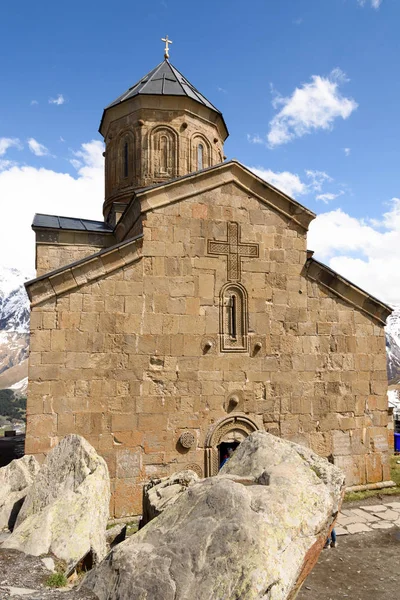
[164, 80]
[68, 223]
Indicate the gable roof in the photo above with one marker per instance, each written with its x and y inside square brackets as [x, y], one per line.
[347, 291]
[186, 186]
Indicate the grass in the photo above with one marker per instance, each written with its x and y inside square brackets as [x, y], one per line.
[395, 475]
[56, 580]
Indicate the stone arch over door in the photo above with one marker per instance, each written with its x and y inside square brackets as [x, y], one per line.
[234, 428]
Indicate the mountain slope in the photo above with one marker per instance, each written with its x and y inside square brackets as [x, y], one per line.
[14, 329]
[392, 330]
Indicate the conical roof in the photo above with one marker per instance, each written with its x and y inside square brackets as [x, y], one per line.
[164, 80]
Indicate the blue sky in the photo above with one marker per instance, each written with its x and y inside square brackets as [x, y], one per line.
[309, 90]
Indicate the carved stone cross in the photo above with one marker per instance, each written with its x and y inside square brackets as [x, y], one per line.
[234, 250]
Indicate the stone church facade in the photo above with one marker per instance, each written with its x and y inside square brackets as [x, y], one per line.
[194, 314]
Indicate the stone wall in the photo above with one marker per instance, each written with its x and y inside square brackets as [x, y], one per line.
[132, 361]
[144, 127]
[55, 249]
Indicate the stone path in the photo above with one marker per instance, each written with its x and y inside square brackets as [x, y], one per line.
[368, 518]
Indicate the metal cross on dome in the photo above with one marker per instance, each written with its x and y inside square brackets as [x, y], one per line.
[166, 51]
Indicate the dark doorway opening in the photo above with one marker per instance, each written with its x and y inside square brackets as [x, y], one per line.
[223, 451]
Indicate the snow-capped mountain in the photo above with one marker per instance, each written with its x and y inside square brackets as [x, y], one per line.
[14, 303]
[14, 329]
[393, 346]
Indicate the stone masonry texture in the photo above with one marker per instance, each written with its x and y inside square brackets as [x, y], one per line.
[131, 359]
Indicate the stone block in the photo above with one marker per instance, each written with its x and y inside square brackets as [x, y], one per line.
[374, 467]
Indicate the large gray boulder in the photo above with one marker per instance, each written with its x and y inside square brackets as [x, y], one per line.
[159, 494]
[66, 509]
[15, 481]
[252, 532]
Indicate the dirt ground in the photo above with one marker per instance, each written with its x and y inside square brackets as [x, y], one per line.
[18, 570]
[364, 566]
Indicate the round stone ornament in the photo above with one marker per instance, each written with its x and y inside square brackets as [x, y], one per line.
[187, 439]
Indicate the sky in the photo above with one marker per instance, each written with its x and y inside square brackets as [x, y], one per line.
[309, 90]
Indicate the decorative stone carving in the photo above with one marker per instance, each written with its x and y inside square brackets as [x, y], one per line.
[234, 318]
[187, 439]
[231, 429]
[196, 468]
[234, 249]
[163, 153]
[209, 344]
[234, 402]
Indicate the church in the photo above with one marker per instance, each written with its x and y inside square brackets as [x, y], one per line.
[193, 314]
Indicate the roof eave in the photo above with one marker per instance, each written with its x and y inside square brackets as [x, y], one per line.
[348, 291]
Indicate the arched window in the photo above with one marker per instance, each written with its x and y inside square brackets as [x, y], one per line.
[164, 153]
[233, 318]
[126, 159]
[163, 157]
[200, 157]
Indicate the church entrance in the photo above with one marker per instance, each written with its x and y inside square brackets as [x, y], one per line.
[224, 451]
[226, 433]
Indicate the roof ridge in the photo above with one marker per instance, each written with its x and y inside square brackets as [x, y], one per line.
[151, 75]
[200, 96]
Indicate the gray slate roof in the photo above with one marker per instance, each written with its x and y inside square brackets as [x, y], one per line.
[164, 80]
[55, 222]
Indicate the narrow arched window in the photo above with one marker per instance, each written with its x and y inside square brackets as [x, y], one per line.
[126, 160]
[200, 156]
[164, 150]
[234, 318]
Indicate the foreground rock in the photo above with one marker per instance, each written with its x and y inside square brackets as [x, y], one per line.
[15, 481]
[67, 507]
[253, 532]
[159, 494]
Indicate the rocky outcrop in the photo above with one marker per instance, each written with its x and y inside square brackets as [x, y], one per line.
[159, 494]
[115, 535]
[252, 532]
[15, 481]
[67, 507]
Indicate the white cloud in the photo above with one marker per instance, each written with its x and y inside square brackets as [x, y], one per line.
[291, 183]
[255, 139]
[6, 143]
[347, 151]
[36, 148]
[287, 182]
[59, 100]
[374, 3]
[312, 106]
[317, 179]
[33, 102]
[328, 197]
[366, 252]
[6, 164]
[26, 190]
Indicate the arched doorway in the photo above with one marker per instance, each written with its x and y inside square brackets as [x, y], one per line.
[228, 432]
